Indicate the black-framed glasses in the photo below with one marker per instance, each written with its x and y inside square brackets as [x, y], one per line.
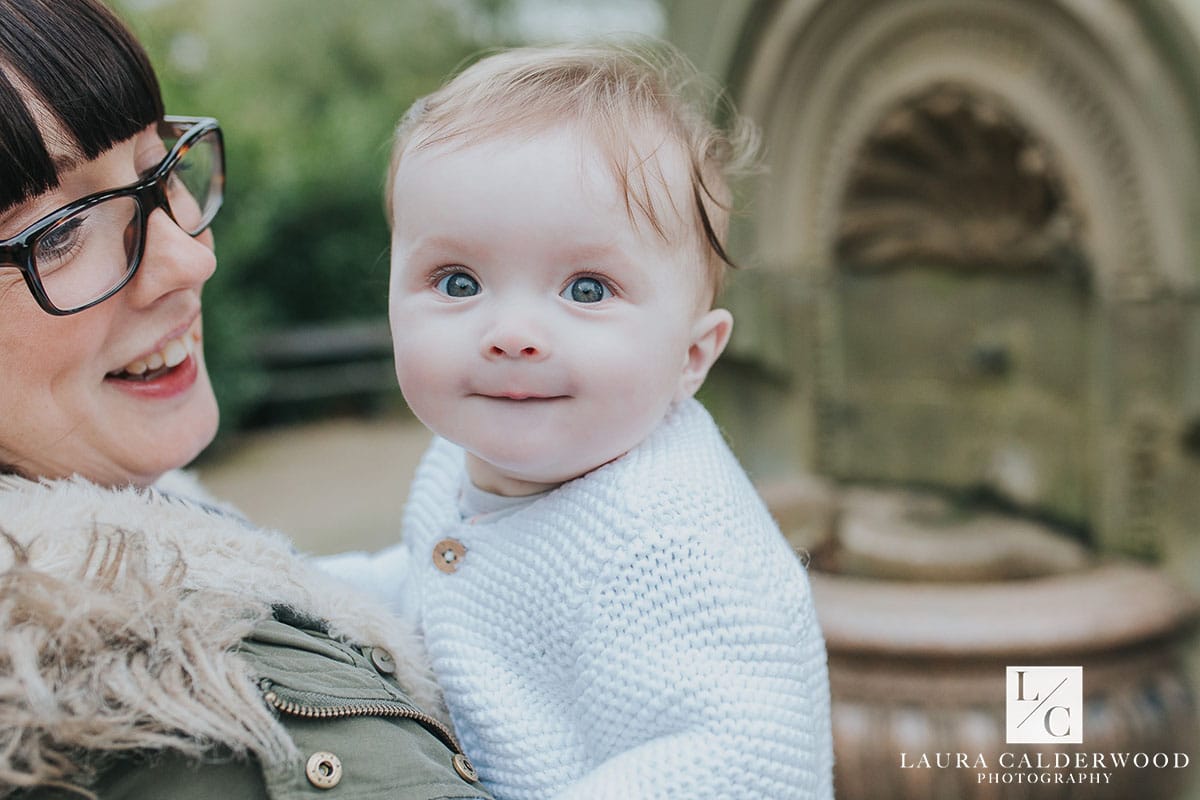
[83, 253]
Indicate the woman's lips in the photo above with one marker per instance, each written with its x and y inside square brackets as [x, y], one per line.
[170, 370]
[162, 383]
[172, 353]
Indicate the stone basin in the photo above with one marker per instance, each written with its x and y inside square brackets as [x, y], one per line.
[919, 638]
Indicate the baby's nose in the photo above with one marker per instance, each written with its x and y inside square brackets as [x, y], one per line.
[522, 345]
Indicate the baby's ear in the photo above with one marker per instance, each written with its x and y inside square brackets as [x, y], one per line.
[710, 334]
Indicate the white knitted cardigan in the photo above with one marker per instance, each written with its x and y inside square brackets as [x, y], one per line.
[641, 632]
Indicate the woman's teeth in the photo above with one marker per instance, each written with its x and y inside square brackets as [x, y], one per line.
[172, 354]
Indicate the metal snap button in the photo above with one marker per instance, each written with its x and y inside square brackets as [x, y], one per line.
[464, 767]
[324, 770]
[383, 661]
[448, 555]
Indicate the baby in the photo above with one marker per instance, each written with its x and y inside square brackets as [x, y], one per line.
[608, 605]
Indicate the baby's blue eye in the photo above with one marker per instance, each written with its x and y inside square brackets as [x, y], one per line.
[586, 290]
[458, 284]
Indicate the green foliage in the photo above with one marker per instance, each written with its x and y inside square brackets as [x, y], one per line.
[308, 93]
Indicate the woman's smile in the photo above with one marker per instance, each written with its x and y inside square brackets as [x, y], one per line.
[168, 369]
[172, 350]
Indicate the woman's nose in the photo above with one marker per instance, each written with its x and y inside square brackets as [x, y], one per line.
[172, 259]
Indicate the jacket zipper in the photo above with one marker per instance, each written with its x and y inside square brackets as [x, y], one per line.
[368, 710]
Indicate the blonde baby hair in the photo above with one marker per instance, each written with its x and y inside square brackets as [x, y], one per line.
[619, 92]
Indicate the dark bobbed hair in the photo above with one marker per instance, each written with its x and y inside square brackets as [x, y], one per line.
[83, 66]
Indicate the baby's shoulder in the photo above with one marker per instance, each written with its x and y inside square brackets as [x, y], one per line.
[685, 457]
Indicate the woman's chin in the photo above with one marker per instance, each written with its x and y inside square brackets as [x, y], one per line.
[176, 440]
[203, 428]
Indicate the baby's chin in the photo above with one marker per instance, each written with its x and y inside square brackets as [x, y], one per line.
[516, 477]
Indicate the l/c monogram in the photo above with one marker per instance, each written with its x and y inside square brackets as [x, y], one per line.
[1044, 704]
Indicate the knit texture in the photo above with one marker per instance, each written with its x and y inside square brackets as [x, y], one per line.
[644, 631]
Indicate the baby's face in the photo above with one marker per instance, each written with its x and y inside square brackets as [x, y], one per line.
[534, 323]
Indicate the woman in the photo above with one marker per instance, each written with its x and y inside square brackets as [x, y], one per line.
[153, 645]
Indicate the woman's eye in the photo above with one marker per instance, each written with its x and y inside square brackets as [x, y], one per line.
[58, 243]
[586, 290]
[458, 284]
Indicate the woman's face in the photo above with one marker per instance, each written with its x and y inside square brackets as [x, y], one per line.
[71, 401]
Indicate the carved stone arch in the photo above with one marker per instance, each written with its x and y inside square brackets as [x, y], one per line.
[822, 73]
[959, 309]
[1108, 111]
[949, 178]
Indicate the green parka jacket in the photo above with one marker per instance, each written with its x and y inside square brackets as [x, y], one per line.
[152, 647]
[358, 733]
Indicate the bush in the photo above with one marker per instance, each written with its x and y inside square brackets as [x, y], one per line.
[308, 93]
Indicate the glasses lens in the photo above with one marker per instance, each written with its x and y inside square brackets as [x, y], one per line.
[196, 182]
[85, 256]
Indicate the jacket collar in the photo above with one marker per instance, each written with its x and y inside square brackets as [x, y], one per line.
[120, 610]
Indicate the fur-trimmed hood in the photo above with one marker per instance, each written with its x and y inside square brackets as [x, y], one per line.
[119, 613]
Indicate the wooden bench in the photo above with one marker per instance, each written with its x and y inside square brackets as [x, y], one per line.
[327, 361]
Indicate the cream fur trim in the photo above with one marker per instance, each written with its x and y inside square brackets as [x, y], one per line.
[118, 613]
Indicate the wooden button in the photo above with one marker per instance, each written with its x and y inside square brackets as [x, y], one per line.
[383, 661]
[464, 768]
[324, 770]
[448, 555]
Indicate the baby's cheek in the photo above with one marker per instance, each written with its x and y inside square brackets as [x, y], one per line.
[642, 376]
[423, 349]
[419, 375]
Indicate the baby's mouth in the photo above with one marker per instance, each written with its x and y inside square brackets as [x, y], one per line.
[521, 397]
[162, 361]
